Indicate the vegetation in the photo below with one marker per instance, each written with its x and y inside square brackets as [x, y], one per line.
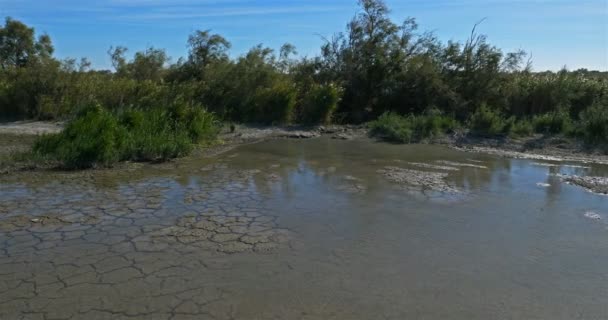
[393, 127]
[377, 70]
[98, 137]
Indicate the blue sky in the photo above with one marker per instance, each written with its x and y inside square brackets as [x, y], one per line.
[557, 32]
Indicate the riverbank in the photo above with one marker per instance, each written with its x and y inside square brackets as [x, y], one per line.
[17, 138]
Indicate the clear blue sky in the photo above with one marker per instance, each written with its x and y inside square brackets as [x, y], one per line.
[556, 32]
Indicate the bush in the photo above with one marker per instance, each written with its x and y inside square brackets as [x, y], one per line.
[594, 123]
[433, 123]
[521, 128]
[154, 138]
[274, 105]
[393, 127]
[319, 104]
[97, 137]
[488, 122]
[553, 123]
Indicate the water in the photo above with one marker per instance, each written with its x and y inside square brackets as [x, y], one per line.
[306, 230]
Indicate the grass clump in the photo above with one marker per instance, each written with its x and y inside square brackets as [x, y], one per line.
[99, 138]
[393, 127]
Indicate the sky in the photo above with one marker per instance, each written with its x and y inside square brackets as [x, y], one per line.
[557, 33]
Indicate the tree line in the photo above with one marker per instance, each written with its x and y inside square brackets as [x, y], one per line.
[375, 67]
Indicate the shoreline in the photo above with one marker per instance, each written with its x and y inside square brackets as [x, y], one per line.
[16, 137]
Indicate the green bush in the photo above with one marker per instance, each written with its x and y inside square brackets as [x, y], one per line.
[94, 139]
[594, 123]
[319, 104]
[488, 122]
[553, 123]
[433, 123]
[521, 128]
[274, 105]
[97, 138]
[393, 127]
[154, 138]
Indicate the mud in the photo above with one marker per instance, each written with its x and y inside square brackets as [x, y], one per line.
[593, 184]
[421, 181]
[460, 164]
[30, 127]
[304, 229]
[433, 167]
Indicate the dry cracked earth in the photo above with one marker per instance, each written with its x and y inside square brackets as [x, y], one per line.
[149, 251]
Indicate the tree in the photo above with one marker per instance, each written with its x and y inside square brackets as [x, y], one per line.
[117, 56]
[148, 65]
[205, 48]
[17, 45]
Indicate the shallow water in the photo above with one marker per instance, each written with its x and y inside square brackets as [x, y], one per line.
[311, 229]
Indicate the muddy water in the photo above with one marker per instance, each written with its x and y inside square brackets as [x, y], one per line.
[316, 229]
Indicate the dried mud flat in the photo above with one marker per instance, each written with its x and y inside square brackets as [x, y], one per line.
[147, 250]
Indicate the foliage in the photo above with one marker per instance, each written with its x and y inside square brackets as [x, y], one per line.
[393, 127]
[98, 138]
[553, 123]
[95, 138]
[594, 123]
[319, 104]
[488, 122]
[377, 66]
[521, 128]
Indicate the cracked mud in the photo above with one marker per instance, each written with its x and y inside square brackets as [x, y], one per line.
[72, 251]
[308, 229]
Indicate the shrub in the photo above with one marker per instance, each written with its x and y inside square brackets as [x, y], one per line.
[393, 127]
[488, 122]
[553, 123]
[521, 128]
[319, 104]
[594, 123]
[97, 137]
[154, 138]
[432, 123]
[274, 105]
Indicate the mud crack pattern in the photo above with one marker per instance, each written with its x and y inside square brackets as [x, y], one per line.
[148, 249]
